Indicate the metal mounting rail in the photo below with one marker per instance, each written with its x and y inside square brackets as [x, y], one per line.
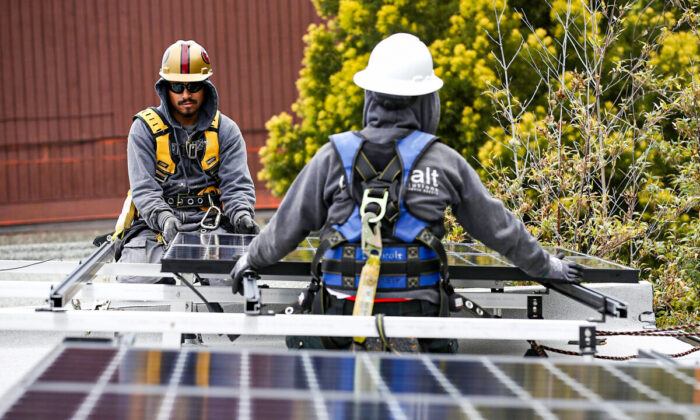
[306, 325]
[604, 304]
[82, 274]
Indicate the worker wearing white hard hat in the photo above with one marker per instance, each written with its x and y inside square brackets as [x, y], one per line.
[391, 180]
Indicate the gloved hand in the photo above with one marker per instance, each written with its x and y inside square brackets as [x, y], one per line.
[237, 273]
[246, 225]
[566, 271]
[171, 227]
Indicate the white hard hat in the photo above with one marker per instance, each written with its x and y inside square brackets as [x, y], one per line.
[399, 65]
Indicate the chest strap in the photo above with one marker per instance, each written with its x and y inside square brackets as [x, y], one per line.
[167, 151]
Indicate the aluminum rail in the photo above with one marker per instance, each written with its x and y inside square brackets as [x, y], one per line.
[84, 273]
[602, 303]
[271, 293]
[311, 325]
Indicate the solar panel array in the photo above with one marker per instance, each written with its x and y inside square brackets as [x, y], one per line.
[91, 382]
[217, 253]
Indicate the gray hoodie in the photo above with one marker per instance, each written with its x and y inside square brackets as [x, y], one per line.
[236, 185]
[318, 198]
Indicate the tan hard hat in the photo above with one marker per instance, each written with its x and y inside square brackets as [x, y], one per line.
[185, 61]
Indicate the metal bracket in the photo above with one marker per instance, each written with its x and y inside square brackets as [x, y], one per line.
[586, 340]
[251, 292]
[534, 307]
[84, 273]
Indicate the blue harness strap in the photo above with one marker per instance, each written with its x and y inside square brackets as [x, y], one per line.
[407, 228]
[348, 145]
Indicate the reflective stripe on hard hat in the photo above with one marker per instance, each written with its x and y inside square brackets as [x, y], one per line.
[185, 61]
[399, 65]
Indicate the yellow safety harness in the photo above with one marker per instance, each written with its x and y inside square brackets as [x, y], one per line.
[165, 165]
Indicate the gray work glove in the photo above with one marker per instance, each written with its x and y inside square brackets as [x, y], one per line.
[241, 267]
[246, 225]
[564, 271]
[171, 227]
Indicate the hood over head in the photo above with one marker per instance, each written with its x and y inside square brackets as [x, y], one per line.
[206, 112]
[407, 112]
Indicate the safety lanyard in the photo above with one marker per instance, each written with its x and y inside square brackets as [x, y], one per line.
[371, 242]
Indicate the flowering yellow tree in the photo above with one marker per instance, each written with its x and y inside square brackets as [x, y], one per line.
[582, 116]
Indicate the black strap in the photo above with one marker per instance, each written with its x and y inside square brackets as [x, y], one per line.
[136, 227]
[427, 238]
[378, 183]
[410, 268]
[347, 266]
[330, 240]
[184, 201]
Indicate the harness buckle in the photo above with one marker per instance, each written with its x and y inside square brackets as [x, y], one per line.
[381, 202]
[371, 239]
[217, 219]
[191, 149]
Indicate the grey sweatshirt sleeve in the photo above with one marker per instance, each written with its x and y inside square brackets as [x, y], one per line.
[452, 181]
[145, 190]
[488, 220]
[237, 189]
[303, 209]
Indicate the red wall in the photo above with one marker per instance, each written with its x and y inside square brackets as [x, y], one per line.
[73, 73]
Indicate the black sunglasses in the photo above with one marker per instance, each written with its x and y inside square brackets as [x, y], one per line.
[192, 87]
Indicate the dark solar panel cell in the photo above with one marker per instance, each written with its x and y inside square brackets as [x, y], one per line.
[510, 413]
[591, 414]
[603, 383]
[423, 409]
[472, 378]
[126, 407]
[199, 253]
[277, 371]
[351, 410]
[205, 408]
[660, 416]
[37, 405]
[692, 373]
[147, 367]
[537, 381]
[190, 238]
[78, 365]
[664, 383]
[334, 373]
[212, 369]
[281, 409]
[408, 376]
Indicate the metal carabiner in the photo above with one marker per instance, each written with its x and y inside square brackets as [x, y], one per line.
[371, 239]
[381, 202]
[217, 219]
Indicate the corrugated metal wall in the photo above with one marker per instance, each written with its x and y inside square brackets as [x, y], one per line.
[73, 72]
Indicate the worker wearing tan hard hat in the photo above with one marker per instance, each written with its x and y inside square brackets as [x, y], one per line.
[187, 161]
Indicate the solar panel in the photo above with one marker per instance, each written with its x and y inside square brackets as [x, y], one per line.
[217, 253]
[83, 381]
